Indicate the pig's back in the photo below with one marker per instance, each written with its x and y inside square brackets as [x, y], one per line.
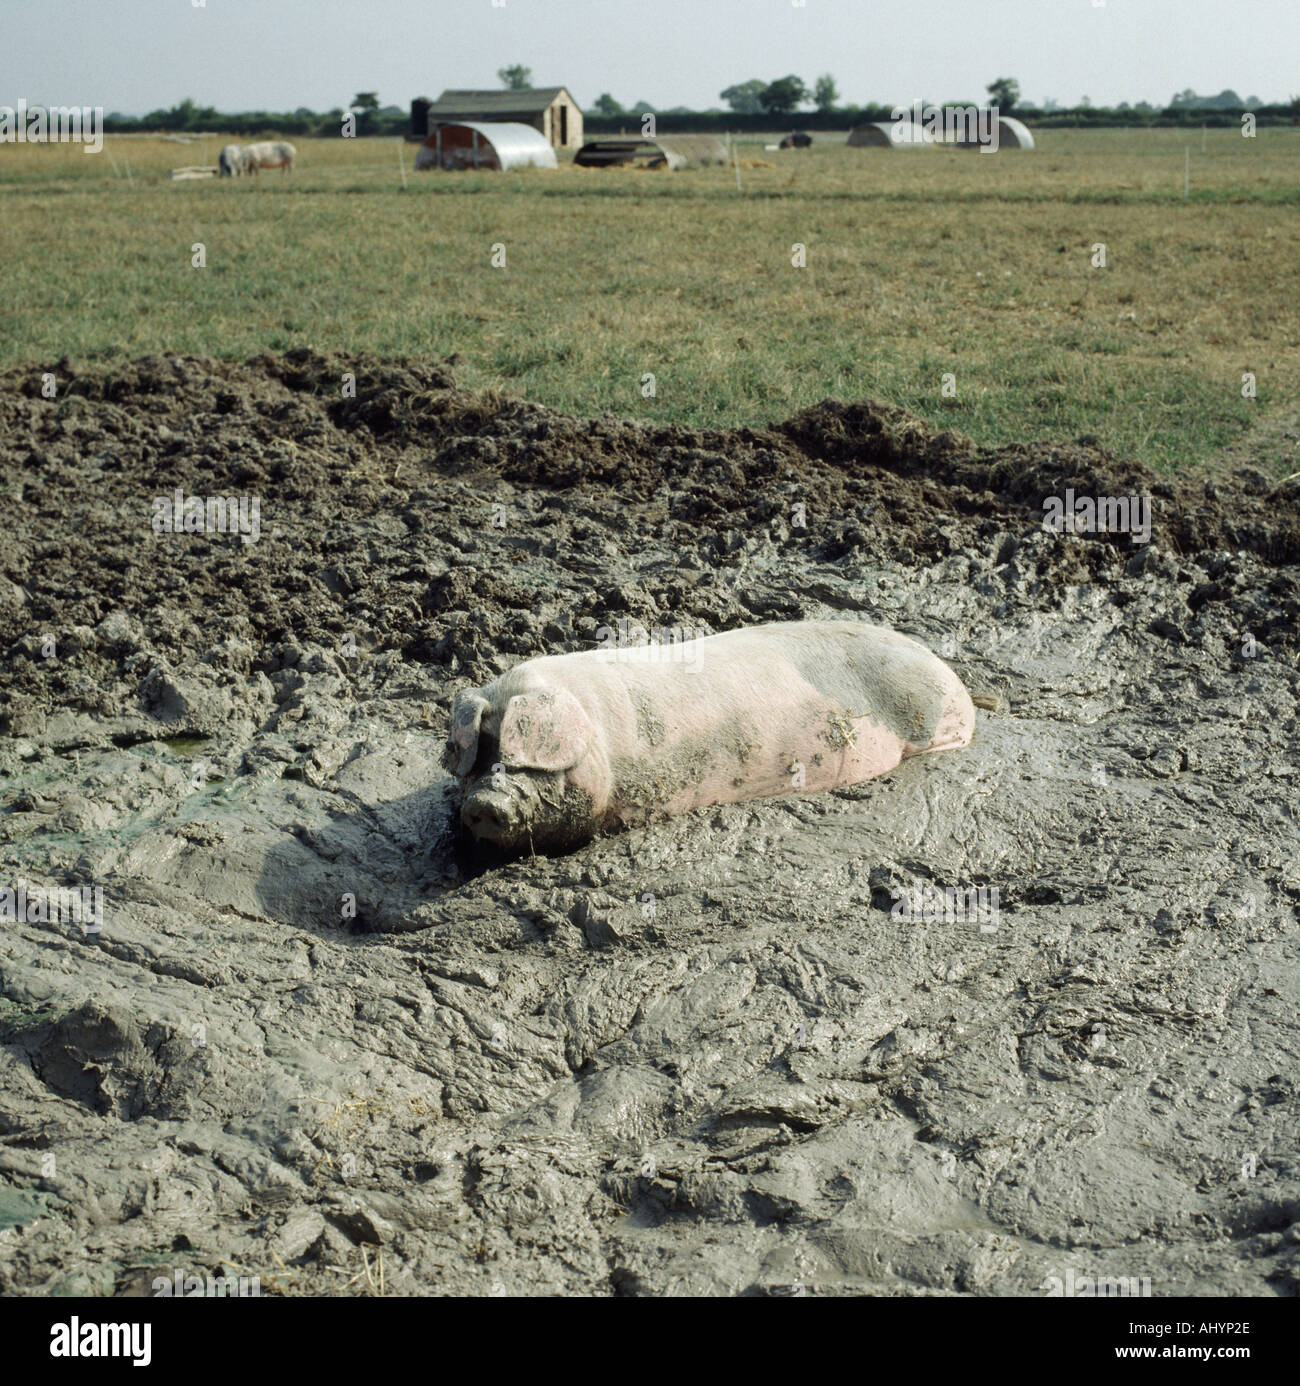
[789, 708]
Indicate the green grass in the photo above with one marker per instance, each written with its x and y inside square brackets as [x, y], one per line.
[918, 264]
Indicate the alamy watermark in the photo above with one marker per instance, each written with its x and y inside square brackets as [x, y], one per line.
[72, 1338]
[1096, 1286]
[35, 904]
[182, 514]
[207, 1286]
[22, 124]
[654, 645]
[978, 125]
[1075, 514]
[923, 903]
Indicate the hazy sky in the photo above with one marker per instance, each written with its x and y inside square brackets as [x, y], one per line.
[137, 55]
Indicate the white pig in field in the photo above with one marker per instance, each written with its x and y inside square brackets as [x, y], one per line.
[270, 154]
[563, 746]
[232, 161]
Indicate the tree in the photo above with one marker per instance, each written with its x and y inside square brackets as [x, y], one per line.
[743, 98]
[783, 95]
[517, 78]
[607, 106]
[1004, 93]
[825, 92]
[364, 105]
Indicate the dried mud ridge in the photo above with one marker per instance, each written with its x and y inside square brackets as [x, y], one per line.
[707, 1056]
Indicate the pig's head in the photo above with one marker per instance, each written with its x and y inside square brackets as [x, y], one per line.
[525, 769]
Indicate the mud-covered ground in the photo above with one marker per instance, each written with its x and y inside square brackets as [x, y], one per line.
[317, 1042]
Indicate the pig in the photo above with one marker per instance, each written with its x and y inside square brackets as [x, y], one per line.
[270, 154]
[232, 161]
[562, 747]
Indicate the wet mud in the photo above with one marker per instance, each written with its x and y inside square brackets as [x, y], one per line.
[1009, 1014]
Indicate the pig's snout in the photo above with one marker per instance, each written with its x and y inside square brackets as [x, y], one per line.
[490, 817]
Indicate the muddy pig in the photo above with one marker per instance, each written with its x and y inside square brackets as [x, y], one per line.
[560, 747]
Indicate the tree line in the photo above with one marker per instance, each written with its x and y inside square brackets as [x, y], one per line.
[752, 105]
[783, 97]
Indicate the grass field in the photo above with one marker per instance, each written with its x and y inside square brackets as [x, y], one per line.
[919, 264]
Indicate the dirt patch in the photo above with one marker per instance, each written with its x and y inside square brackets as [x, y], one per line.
[721, 1054]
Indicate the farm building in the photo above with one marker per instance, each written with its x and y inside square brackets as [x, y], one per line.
[476, 144]
[549, 110]
[889, 134]
[1011, 135]
[666, 151]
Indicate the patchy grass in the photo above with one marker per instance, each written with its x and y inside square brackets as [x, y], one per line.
[920, 265]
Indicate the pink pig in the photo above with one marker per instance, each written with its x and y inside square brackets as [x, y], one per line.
[563, 746]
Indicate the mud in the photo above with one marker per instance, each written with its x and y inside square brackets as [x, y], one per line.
[316, 1041]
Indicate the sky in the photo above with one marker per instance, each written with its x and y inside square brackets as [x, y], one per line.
[135, 56]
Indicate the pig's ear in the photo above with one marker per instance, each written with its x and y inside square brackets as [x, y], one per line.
[461, 750]
[545, 731]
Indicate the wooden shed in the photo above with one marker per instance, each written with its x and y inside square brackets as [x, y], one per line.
[549, 110]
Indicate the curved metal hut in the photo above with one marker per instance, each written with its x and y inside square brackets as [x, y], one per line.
[891, 134]
[485, 144]
[1012, 134]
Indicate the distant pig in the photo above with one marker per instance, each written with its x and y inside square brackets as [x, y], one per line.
[270, 154]
[232, 161]
[563, 746]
